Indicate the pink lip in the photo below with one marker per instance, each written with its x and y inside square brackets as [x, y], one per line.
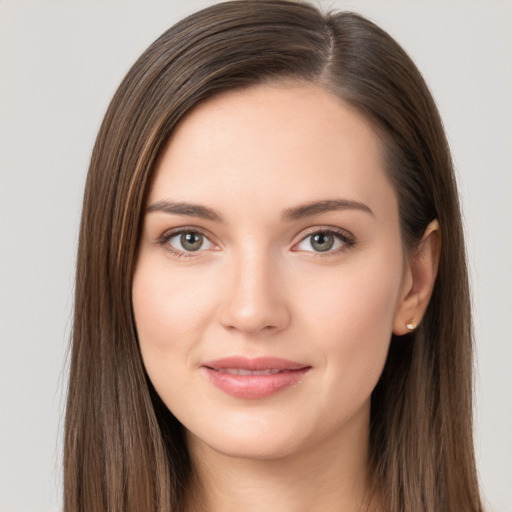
[284, 374]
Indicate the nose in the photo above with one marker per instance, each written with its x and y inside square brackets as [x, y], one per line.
[255, 298]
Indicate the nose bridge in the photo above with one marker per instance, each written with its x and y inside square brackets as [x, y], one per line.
[254, 301]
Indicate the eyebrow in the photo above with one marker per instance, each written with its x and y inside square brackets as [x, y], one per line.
[191, 209]
[318, 207]
[289, 215]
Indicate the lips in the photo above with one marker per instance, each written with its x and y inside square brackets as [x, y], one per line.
[244, 371]
[257, 378]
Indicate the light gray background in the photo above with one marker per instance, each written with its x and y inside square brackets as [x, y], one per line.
[60, 63]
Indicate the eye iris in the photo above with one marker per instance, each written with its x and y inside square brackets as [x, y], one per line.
[191, 241]
[322, 242]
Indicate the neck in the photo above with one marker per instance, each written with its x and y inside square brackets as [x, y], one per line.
[328, 476]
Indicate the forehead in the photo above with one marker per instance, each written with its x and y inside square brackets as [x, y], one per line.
[272, 144]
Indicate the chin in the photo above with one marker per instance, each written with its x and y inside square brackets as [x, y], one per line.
[254, 449]
[249, 441]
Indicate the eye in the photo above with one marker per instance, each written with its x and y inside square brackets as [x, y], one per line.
[186, 241]
[326, 241]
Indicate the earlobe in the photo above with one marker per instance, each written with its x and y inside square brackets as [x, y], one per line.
[423, 266]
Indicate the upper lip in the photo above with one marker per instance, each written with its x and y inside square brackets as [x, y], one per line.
[257, 363]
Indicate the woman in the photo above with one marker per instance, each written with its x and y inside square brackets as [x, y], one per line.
[272, 305]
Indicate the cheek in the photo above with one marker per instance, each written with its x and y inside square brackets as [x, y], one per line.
[351, 319]
[359, 298]
[170, 308]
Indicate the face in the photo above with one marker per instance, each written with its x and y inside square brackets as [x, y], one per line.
[270, 271]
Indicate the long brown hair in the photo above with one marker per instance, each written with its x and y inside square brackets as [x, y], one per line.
[124, 450]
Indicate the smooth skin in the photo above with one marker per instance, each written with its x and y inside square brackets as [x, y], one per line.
[255, 282]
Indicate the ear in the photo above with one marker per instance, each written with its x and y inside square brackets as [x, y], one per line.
[418, 283]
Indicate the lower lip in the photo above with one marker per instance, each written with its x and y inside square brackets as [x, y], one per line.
[254, 386]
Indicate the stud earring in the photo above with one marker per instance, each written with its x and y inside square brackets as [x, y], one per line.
[411, 326]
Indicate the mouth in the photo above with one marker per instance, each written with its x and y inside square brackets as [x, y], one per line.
[257, 378]
[244, 371]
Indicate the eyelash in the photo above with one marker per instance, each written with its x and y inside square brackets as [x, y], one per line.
[341, 235]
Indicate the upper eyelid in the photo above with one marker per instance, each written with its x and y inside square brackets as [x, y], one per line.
[169, 233]
[308, 231]
[327, 229]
